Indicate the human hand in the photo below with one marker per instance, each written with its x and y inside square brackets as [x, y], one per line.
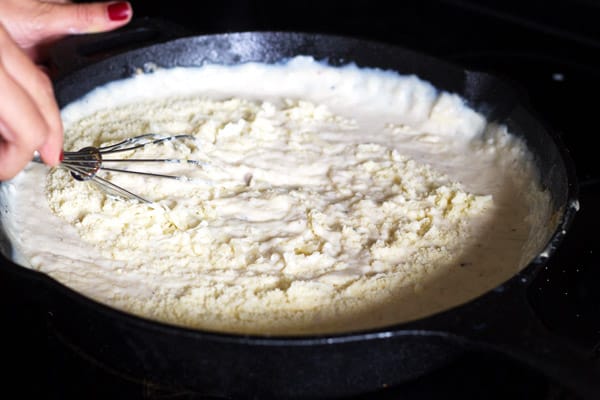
[35, 24]
[29, 116]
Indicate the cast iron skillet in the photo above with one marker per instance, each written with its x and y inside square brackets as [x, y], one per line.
[326, 366]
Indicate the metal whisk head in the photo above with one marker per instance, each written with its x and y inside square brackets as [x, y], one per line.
[85, 163]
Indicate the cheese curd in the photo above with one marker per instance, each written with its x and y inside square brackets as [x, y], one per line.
[320, 199]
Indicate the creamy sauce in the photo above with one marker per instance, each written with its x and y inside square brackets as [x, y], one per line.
[327, 200]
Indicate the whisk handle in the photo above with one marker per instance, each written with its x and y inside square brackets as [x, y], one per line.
[36, 157]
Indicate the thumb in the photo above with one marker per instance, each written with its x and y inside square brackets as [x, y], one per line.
[68, 18]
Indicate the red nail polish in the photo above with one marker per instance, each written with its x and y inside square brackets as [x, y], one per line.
[119, 11]
[62, 156]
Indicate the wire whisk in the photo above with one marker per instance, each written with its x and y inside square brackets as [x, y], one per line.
[85, 163]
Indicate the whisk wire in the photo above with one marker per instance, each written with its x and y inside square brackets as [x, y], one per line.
[119, 190]
[137, 142]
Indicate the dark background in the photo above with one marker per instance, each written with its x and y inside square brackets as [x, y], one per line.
[548, 48]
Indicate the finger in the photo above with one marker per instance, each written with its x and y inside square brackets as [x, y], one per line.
[51, 149]
[39, 87]
[20, 136]
[66, 18]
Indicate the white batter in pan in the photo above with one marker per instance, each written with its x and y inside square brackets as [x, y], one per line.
[332, 199]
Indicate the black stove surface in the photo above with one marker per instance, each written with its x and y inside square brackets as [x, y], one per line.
[545, 48]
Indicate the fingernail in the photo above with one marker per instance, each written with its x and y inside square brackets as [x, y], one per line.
[119, 11]
[61, 156]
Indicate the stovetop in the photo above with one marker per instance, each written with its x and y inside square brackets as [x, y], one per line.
[546, 49]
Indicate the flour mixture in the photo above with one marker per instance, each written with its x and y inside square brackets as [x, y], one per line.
[326, 200]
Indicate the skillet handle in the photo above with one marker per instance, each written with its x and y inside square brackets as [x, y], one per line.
[509, 326]
[77, 51]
